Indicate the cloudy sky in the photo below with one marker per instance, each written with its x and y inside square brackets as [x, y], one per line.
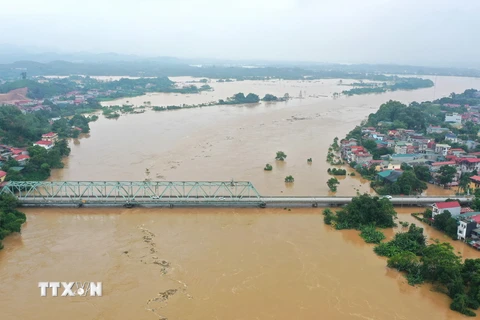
[428, 32]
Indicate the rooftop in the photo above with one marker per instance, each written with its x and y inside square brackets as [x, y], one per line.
[45, 143]
[447, 205]
[443, 163]
[49, 135]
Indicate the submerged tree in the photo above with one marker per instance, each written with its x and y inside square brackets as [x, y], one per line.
[280, 156]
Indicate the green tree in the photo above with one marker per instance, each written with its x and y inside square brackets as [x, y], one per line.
[366, 210]
[446, 223]
[11, 220]
[440, 263]
[332, 184]
[422, 173]
[280, 156]
[446, 174]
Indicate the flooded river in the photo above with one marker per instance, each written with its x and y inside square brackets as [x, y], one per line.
[221, 264]
[224, 264]
[235, 142]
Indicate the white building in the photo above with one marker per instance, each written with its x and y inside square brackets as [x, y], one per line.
[44, 144]
[453, 118]
[440, 207]
[442, 149]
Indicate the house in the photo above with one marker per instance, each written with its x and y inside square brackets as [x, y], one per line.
[401, 147]
[400, 158]
[51, 136]
[457, 152]
[436, 129]
[434, 167]
[3, 175]
[18, 151]
[393, 133]
[390, 176]
[44, 144]
[469, 164]
[442, 149]
[466, 226]
[451, 137]
[471, 144]
[474, 182]
[453, 118]
[440, 207]
[21, 159]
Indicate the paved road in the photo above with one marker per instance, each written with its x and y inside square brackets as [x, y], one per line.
[225, 202]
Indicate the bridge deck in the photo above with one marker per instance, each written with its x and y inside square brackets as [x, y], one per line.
[173, 193]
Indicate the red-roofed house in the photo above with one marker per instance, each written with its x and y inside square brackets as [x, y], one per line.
[456, 151]
[51, 136]
[452, 206]
[466, 210]
[21, 159]
[470, 164]
[44, 144]
[3, 174]
[436, 165]
[17, 151]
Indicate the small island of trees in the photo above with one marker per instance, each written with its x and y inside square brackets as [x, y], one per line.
[332, 184]
[240, 98]
[337, 172]
[268, 167]
[289, 179]
[281, 156]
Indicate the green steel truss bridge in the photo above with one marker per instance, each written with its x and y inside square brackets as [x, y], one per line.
[172, 193]
[133, 193]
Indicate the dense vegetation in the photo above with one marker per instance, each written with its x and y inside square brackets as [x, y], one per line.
[444, 222]
[11, 219]
[337, 172]
[365, 210]
[174, 67]
[240, 98]
[397, 83]
[20, 130]
[118, 88]
[271, 97]
[38, 90]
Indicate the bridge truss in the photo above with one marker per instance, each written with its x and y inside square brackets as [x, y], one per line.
[131, 192]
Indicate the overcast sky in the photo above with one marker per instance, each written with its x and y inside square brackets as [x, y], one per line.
[428, 32]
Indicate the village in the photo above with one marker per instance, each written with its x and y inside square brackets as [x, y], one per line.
[442, 155]
[418, 149]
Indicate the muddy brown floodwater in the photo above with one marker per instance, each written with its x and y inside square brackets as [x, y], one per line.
[217, 263]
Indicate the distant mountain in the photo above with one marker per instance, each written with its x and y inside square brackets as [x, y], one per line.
[11, 54]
